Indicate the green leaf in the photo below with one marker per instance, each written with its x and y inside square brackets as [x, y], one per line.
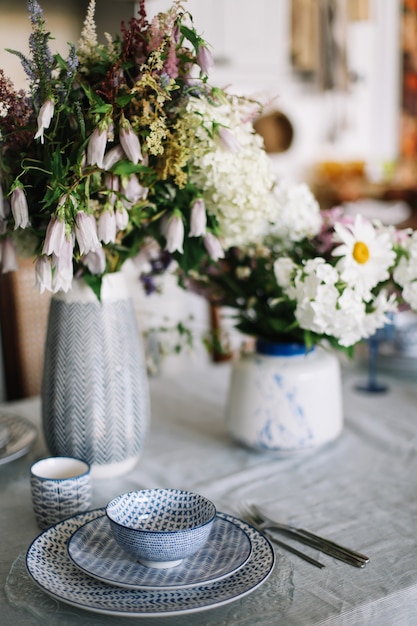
[125, 168]
[95, 283]
[190, 35]
[124, 100]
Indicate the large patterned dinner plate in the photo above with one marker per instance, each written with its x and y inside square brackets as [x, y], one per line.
[50, 566]
[94, 550]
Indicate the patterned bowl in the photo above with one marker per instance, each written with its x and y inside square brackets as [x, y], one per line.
[160, 527]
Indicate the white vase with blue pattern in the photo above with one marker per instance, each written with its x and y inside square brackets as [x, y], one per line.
[95, 396]
[285, 400]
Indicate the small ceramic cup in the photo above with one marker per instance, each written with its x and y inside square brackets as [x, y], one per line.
[61, 487]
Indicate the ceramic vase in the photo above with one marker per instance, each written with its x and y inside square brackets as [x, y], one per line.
[284, 399]
[95, 396]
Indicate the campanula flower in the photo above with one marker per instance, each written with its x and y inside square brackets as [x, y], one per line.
[95, 261]
[55, 236]
[205, 59]
[63, 268]
[130, 142]
[213, 247]
[113, 156]
[227, 140]
[133, 191]
[174, 234]
[97, 147]
[20, 210]
[122, 218]
[107, 226]
[198, 218]
[43, 273]
[86, 232]
[45, 116]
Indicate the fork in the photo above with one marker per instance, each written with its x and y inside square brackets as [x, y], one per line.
[337, 551]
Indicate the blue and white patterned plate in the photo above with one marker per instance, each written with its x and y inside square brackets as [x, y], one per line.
[94, 550]
[22, 435]
[50, 566]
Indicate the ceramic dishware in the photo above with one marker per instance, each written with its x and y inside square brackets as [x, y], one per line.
[94, 551]
[51, 568]
[60, 487]
[17, 439]
[161, 527]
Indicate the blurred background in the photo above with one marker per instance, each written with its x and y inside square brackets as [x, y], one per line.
[338, 80]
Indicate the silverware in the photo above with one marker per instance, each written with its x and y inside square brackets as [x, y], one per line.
[337, 551]
[285, 546]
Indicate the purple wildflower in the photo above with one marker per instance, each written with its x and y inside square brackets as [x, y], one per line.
[213, 247]
[174, 233]
[204, 59]
[86, 232]
[20, 209]
[97, 147]
[198, 218]
[107, 226]
[130, 142]
[43, 273]
[95, 261]
[35, 12]
[72, 61]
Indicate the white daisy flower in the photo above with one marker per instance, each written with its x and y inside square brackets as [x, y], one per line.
[366, 255]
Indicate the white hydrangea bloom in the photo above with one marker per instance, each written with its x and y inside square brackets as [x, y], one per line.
[236, 185]
[297, 213]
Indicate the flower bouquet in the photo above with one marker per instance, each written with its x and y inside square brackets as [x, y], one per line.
[314, 276]
[124, 148]
[311, 281]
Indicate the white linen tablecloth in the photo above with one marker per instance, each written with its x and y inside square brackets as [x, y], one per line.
[359, 491]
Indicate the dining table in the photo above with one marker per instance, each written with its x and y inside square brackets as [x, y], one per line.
[360, 491]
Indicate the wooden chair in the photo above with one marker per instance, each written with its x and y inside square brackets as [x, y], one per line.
[23, 322]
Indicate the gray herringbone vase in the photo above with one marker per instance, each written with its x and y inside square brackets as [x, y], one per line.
[95, 397]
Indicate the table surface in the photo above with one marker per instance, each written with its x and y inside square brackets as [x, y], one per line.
[360, 491]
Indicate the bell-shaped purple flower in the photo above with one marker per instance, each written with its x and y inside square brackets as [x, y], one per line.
[55, 237]
[43, 273]
[45, 116]
[95, 261]
[130, 142]
[122, 218]
[205, 59]
[174, 234]
[213, 247]
[134, 191]
[227, 140]
[97, 147]
[113, 156]
[20, 210]
[198, 218]
[86, 232]
[8, 257]
[63, 268]
[107, 226]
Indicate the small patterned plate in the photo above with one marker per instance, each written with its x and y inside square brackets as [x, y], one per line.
[50, 566]
[94, 550]
[22, 435]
